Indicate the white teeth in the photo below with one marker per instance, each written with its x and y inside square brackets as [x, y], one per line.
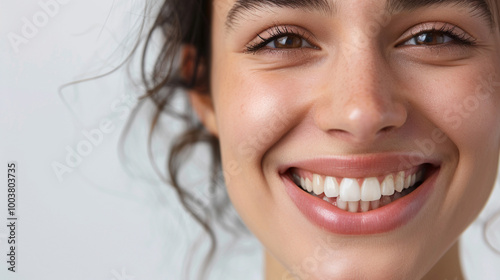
[331, 187]
[370, 190]
[352, 206]
[317, 184]
[407, 182]
[341, 204]
[309, 186]
[352, 197]
[349, 190]
[387, 186]
[400, 181]
[365, 205]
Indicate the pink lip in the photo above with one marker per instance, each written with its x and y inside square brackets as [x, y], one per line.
[359, 166]
[383, 219]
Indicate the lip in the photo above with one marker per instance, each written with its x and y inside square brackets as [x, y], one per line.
[383, 219]
[359, 166]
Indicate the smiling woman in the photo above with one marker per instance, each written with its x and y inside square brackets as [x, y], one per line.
[347, 131]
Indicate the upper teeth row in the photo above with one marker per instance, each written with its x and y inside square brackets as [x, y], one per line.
[350, 190]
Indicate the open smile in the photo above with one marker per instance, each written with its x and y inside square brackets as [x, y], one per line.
[360, 194]
[367, 199]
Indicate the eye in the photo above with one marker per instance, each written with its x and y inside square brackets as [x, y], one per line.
[445, 35]
[289, 42]
[429, 38]
[281, 38]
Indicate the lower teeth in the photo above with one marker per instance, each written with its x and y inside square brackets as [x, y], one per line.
[364, 206]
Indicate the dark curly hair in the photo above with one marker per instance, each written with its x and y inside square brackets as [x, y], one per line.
[186, 23]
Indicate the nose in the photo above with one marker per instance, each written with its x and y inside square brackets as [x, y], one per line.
[359, 99]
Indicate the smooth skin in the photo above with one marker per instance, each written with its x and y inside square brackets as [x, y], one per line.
[355, 80]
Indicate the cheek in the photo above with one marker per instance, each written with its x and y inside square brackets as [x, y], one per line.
[473, 125]
[462, 102]
[470, 114]
[255, 111]
[467, 112]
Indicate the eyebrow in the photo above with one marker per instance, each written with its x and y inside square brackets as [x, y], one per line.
[478, 8]
[242, 7]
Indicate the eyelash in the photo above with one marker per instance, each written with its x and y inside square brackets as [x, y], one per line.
[275, 33]
[461, 38]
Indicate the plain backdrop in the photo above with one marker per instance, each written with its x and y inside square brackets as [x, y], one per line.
[103, 214]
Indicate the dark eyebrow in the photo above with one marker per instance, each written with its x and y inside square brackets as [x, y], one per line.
[242, 6]
[478, 8]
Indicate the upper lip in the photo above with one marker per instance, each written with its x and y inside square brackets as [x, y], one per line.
[358, 166]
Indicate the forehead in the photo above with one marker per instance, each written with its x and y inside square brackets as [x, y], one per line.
[235, 10]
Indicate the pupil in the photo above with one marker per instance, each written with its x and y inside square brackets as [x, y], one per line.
[425, 38]
[288, 42]
[430, 39]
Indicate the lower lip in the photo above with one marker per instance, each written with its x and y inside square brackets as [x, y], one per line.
[383, 219]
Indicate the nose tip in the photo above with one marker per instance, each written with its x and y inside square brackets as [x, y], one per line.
[362, 117]
[366, 123]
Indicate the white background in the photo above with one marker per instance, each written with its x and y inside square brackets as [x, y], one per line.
[107, 218]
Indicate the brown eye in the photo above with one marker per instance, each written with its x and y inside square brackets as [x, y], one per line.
[432, 38]
[288, 42]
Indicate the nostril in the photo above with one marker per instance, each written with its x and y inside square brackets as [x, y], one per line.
[361, 119]
[387, 128]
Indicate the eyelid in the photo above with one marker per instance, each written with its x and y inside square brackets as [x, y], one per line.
[276, 31]
[436, 27]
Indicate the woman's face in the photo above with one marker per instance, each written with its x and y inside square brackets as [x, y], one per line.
[385, 112]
